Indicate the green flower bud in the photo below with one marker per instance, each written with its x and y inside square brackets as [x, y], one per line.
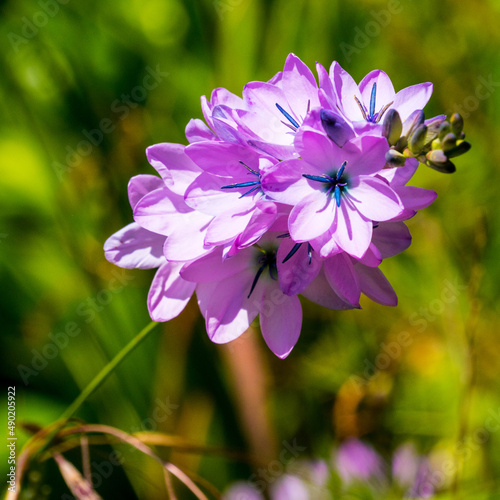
[457, 123]
[395, 158]
[444, 129]
[460, 148]
[416, 119]
[392, 127]
[417, 139]
[438, 161]
[448, 142]
[436, 144]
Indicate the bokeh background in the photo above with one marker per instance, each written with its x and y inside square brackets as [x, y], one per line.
[426, 371]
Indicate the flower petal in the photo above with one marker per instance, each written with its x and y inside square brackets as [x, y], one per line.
[364, 155]
[320, 292]
[169, 293]
[416, 198]
[197, 131]
[299, 86]
[140, 185]
[375, 285]
[226, 227]
[206, 195]
[174, 166]
[297, 272]
[411, 98]
[160, 210]
[263, 217]
[225, 306]
[133, 247]
[213, 268]
[346, 90]
[321, 153]
[353, 231]
[280, 321]
[284, 181]
[385, 93]
[312, 216]
[374, 199]
[223, 159]
[342, 277]
[391, 238]
[187, 240]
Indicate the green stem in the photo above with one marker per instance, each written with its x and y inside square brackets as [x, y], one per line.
[96, 382]
[106, 372]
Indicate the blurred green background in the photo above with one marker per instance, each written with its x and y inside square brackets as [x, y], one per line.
[69, 68]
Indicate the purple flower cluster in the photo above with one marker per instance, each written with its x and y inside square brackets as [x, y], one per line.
[295, 188]
[360, 472]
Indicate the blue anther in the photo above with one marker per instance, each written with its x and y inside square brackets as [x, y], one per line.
[250, 191]
[340, 172]
[319, 178]
[257, 276]
[292, 252]
[241, 185]
[287, 116]
[372, 101]
[337, 195]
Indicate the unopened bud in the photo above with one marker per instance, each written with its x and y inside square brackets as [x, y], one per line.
[392, 127]
[439, 161]
[395, 158]
[416, 119]
[457, 123]
[444, 129]
[336, 128]
[417, 139]
[433, 125]
[460, 148]
[448, 142]
[436, 144]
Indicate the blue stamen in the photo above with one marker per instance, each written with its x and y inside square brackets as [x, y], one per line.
[267, 258]
[250, 191]
[362, 108]
[286, 235]
[334, 183]
[249, 169]
[257, 276]
[287, 116]
[337, 195]
[319, 178]
[340, 172]
[241, 185]
[292, 252]
[309, 252]
[372, 101]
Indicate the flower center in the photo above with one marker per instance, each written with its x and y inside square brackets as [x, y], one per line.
[265, 259]
[253, 185]
[372, 117]
[335, 184]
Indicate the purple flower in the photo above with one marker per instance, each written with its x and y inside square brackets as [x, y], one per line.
[334, 191]
[366, 104]
[289, 487]
[242, 491]
[412, 472]
[232, 292]
[358, 461]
